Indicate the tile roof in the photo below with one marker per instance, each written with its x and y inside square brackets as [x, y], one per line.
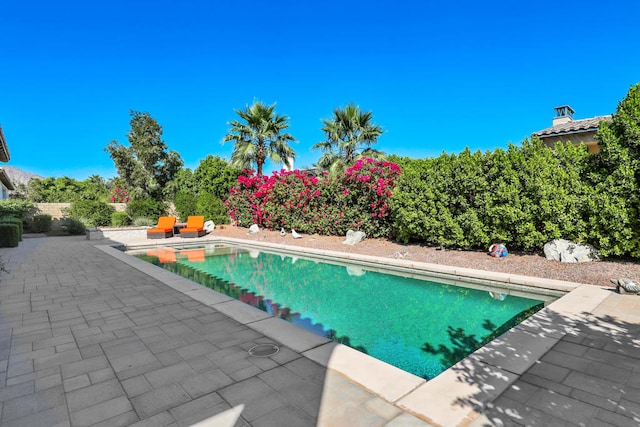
[573, 126]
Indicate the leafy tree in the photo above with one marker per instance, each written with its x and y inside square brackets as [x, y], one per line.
[20, 192]
[349, 136]
[146, 167]
[66, 190]
[97, 181]
[215, 176]
[258, 137]
[183, 182]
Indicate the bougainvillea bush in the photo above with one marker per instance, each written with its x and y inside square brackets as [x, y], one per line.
[357, 200]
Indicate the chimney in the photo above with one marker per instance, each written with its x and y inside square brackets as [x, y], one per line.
[564, 114]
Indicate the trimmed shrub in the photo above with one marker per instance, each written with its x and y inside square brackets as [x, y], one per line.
[16, 221]
[91, 212]
[120, 219]
[148, 208]
[41, 223]
[73, 226]
[144, 222]
[9, 235]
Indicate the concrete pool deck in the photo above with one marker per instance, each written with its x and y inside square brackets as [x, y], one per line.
[91, 336]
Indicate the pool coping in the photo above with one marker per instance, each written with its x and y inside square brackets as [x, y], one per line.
[445, 400]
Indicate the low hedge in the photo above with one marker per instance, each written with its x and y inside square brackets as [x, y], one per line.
[73, 226]
[16, 221]
[9, 235]
[120, 219]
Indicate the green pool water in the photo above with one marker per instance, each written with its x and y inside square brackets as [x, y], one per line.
[420, 326]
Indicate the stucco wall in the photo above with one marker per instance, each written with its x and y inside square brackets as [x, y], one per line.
[587, 138]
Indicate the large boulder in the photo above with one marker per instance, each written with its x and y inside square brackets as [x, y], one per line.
[354, 237]
[568, 251]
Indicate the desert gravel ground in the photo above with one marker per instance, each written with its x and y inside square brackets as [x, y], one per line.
[596, 273]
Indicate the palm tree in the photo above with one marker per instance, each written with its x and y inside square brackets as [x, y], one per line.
[350, 134]
[259, 137]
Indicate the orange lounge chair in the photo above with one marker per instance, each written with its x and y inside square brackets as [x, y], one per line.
[164, 228]
[165, 255]
[194, 255]
[194, 228]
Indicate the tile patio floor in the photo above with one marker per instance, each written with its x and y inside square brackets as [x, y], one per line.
[88, 340]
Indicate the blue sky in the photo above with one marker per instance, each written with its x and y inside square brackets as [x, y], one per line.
[438, 76]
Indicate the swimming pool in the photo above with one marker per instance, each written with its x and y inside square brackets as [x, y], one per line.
[421, 326]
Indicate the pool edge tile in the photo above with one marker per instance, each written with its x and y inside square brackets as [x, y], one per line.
[288, 334]
[208, 296]
[450, 398]
[380, 378]
[241, 312]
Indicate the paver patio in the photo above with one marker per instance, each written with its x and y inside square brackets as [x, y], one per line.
[86, 339]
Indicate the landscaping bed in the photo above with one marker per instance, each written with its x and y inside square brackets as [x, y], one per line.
[596, 273]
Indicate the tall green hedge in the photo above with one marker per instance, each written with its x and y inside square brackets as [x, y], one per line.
[528, 195]
[523, 196]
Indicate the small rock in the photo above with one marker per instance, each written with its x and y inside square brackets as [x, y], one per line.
[566, 251]
[354, 237]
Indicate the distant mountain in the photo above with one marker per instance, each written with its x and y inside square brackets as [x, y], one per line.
[18, 176]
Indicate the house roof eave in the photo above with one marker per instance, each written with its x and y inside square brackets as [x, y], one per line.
[4, 150]
[572, 132]
[573, 127]
[4, 178]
